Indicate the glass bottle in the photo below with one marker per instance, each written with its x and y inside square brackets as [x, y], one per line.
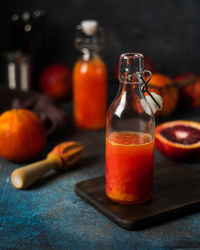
[130, 137]
[89, 78]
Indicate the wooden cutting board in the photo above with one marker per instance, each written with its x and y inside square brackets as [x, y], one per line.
[176, 193]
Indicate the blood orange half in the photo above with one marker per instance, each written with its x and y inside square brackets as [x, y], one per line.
[179, 139]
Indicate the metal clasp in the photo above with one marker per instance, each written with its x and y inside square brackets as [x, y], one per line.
[145, 87]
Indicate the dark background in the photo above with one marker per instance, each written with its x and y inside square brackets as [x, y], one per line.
[167, 31]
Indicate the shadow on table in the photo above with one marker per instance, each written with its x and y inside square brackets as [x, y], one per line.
[193, 163]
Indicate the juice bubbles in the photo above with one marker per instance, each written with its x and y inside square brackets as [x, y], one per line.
[90, 93]
[129, 167]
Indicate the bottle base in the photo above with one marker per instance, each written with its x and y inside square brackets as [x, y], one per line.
[130, 202]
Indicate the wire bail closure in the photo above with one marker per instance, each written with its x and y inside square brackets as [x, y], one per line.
[145, 87]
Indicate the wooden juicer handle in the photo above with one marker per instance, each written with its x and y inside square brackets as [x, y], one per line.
[63, 156]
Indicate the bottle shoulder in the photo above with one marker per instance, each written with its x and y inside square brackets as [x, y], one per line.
[93, 64]
[90, 59]
[122, 107]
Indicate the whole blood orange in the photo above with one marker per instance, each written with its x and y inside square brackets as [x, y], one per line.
[189, 89]
[163, 86]
[178, 140]
[22, 135]
[55, 81]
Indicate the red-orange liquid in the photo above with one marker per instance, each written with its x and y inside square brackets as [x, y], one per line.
[90, 94]
[129, 167]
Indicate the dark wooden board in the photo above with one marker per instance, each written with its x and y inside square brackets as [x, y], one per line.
[176, 193]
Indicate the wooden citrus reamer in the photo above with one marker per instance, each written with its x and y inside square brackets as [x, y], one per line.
[63, 156]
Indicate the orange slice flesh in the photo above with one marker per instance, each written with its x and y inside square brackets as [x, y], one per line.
[178, 139]
[181, 133]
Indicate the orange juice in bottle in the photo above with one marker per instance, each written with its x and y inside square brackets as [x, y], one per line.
[129, 167]
[130, 136]
[89, 78]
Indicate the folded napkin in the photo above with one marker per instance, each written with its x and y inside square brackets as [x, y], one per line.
[54, 118]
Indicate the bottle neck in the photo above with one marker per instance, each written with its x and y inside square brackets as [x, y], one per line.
[89, 54]
[132, 90]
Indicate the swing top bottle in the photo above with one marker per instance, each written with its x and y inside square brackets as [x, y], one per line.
[89, 78]
[130, 137]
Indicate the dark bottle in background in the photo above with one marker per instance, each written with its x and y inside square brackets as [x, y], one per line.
[39, 49]
[25, 58]
[15, 41]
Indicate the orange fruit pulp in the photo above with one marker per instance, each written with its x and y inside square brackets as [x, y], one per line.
[90, 94]
[129, 167]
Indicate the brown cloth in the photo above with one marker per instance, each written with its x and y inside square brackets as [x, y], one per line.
[54, 118]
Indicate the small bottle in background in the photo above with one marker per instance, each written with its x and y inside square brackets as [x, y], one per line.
[18, 71]
[18, 61]
[16, 31]
[39, 48]
[89, 78]
[24, 60]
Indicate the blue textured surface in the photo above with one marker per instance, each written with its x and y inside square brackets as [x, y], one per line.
[49, 215]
